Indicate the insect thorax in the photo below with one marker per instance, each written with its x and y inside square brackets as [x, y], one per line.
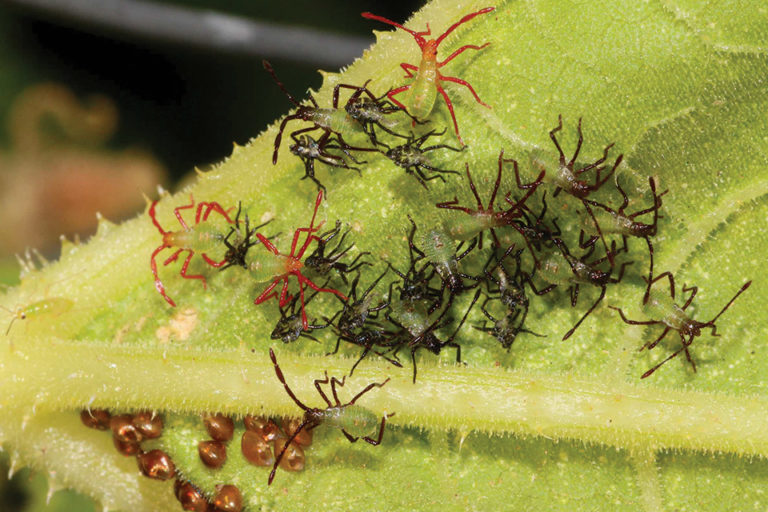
[267, 266]
[660, 306]
[555, 269]
[364, 110]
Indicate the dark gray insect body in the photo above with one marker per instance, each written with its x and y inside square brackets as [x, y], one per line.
[354, 421]
[290, 326]
[310, 150]
[674, 318]
[619, 222]
[564, 269]
[567, 176]
[371, 111]
[414, 159]
[417, 332]
[323, 264]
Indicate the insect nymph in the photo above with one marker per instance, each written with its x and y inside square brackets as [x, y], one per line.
[426, 84]
[354, 420]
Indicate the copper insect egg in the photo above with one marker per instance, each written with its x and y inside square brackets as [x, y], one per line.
[212, 453]
[156, 464]
[190, 498]
[95, 418]
[228, 499]
[266, 428]
[149, 424]
[126, 448]
[293, 458]
[256, 450]
[220, 427]
[304, 438]
[124, 430]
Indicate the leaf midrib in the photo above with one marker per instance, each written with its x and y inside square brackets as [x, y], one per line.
[491, 400]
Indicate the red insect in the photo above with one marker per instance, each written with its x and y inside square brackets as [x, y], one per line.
[279, 267]
[426, 85]
[201, 237]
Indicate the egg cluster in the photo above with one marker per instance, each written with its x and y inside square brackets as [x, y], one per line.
[262, 442]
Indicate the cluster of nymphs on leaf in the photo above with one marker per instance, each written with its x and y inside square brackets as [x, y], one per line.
[367, 123]
[598, 259]
[499, 255]
[507, 254]
[266, 264]
[528, 250]
[270, 266]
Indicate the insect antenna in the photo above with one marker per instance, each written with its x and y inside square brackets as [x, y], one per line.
[417, 35]
[463, 20]
[280, 376]
[280, 84]
[152, 216]
[711, 323]
[13, 319]
[288, 442]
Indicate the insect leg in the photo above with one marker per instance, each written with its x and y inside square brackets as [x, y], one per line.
[158, 283]
[177, 211]
[188, 276]
[340, 383]
[281, 378]
[450, 109]
[367, 389]
[467, 85]
[377, 441]
[602, 295]
[266, 295]
[320, 389]
[657, 340]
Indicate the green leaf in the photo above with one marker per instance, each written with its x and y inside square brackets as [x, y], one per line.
[550, 424]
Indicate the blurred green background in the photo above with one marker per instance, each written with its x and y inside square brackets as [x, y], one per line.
[181, 102]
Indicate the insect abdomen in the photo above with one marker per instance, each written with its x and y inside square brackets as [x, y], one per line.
[201, 238]
[555, 269]
[267, 266]
[423, 93]
[661, 307]
[354, 419]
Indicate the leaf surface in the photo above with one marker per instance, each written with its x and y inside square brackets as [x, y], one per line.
[677, 86]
